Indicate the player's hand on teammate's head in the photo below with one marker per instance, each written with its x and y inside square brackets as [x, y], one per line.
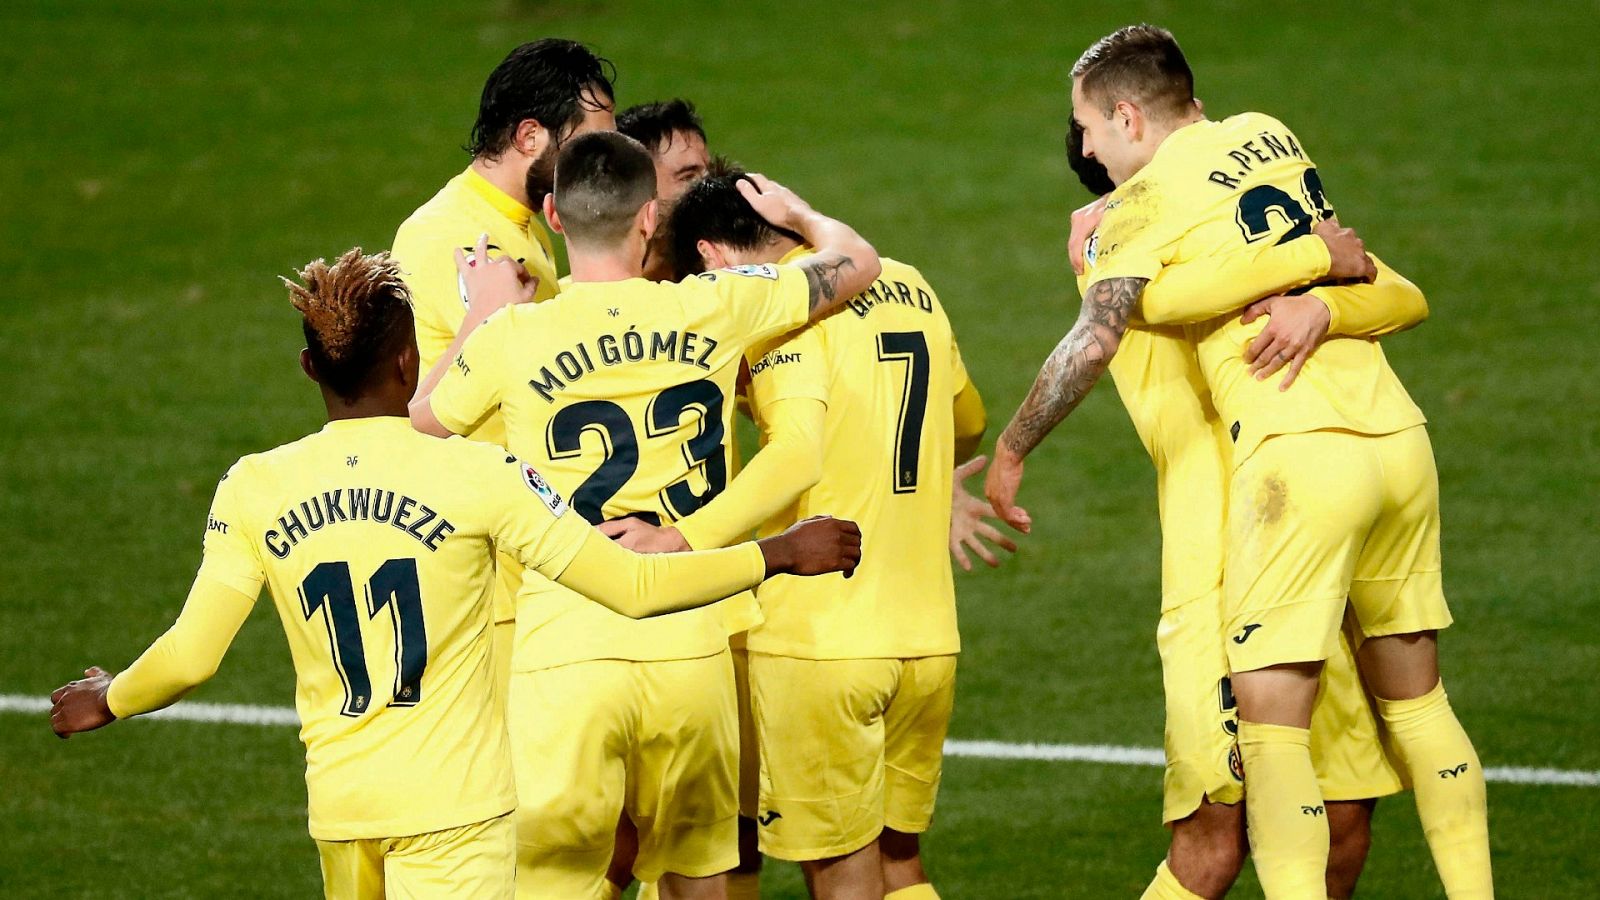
[774, 202]
[968, 528]
[1001, 486]
[1085, 219]
[633, 533]
[493, 283]
[81, 705]
[1295, 326]
[815, 546]
[1347, 253]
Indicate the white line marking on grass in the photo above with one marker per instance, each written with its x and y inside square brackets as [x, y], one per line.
[241, 714]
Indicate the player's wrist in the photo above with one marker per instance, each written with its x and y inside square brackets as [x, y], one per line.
[778, 553]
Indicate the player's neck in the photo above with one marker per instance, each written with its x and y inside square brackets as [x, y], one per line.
[384, 402]
[503, 174]
[1160, 131]
[619, 264]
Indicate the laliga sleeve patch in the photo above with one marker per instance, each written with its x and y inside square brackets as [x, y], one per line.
[542, 488]
[1091, 250]
[762, 271]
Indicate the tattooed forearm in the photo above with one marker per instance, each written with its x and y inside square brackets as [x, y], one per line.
[823, 273]
[1076, 363]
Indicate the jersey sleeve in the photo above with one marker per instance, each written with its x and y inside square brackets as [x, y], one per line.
[470, 389]
[789, 367]
[959, 379]
[533, 523]
[428, 266]
[1135, 239]
[187, 654]
[1211, 286]
[762, 301]
[230, 556]
[1390, 304]
[788, 464]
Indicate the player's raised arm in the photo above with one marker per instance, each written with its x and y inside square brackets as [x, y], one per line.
[844, 264]
[1064, 380]
[491, 285]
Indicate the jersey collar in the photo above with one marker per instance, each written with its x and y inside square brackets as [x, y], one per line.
[503, 203]
[801, 251]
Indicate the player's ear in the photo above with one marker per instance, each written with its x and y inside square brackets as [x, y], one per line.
[550, 213]
[710, 255]
[410, 366]
[646, 220]
[529, 138]
[307, 366]
[1129, 119]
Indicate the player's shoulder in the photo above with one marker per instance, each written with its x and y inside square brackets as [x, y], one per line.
[903, 271]
[1253, 121]
[439, 218]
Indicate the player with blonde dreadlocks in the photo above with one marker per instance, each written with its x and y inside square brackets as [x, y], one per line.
[376, 543]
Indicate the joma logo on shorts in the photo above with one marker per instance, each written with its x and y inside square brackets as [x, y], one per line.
[1244, 635]
[768, 817]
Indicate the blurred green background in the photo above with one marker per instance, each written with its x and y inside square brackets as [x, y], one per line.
[162, 163]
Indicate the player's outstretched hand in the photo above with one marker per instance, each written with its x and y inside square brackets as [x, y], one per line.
[1296, 326]
[633, 533]
[1005, 479]
[776, 203]
[968, 528]
[1085, 219]
[816, 546]
[81, 705]
[490, 284]
[1347, 253]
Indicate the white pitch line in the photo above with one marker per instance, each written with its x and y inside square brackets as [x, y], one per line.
[243, 714]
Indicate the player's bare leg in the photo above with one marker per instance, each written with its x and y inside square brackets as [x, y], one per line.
[744, 882]
[1350, 837]
[1402, 671]
[1208, 851]
[900, 854]
[673, 886]
[625, 849]
[1288, 824]
[854, 876]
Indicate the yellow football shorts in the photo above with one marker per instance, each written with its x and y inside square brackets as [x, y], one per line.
[848, 747]
[471, 862]
[1202, 722]
[592, 740]
[1319, 517]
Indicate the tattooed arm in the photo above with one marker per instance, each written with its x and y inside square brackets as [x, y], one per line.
[1064, 380]
[844, 264]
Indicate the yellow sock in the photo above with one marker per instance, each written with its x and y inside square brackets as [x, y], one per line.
[923, 891]
[1283, 807]
[1167, 887]
[1448, 779]
[744, 885]
[647, 891]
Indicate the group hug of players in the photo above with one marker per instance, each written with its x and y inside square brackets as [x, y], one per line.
[541, 659]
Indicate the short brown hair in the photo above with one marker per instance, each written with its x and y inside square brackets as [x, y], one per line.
[356, 312]
[602, 180]
[1141, 63]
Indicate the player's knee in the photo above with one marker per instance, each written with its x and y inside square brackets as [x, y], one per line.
[899, 846]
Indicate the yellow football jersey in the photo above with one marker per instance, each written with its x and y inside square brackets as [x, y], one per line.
[1219, 187]
[888, 368]
[376, 544]
[622, 394]
[466, 207]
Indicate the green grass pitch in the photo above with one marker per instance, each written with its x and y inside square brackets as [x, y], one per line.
[161, 163]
